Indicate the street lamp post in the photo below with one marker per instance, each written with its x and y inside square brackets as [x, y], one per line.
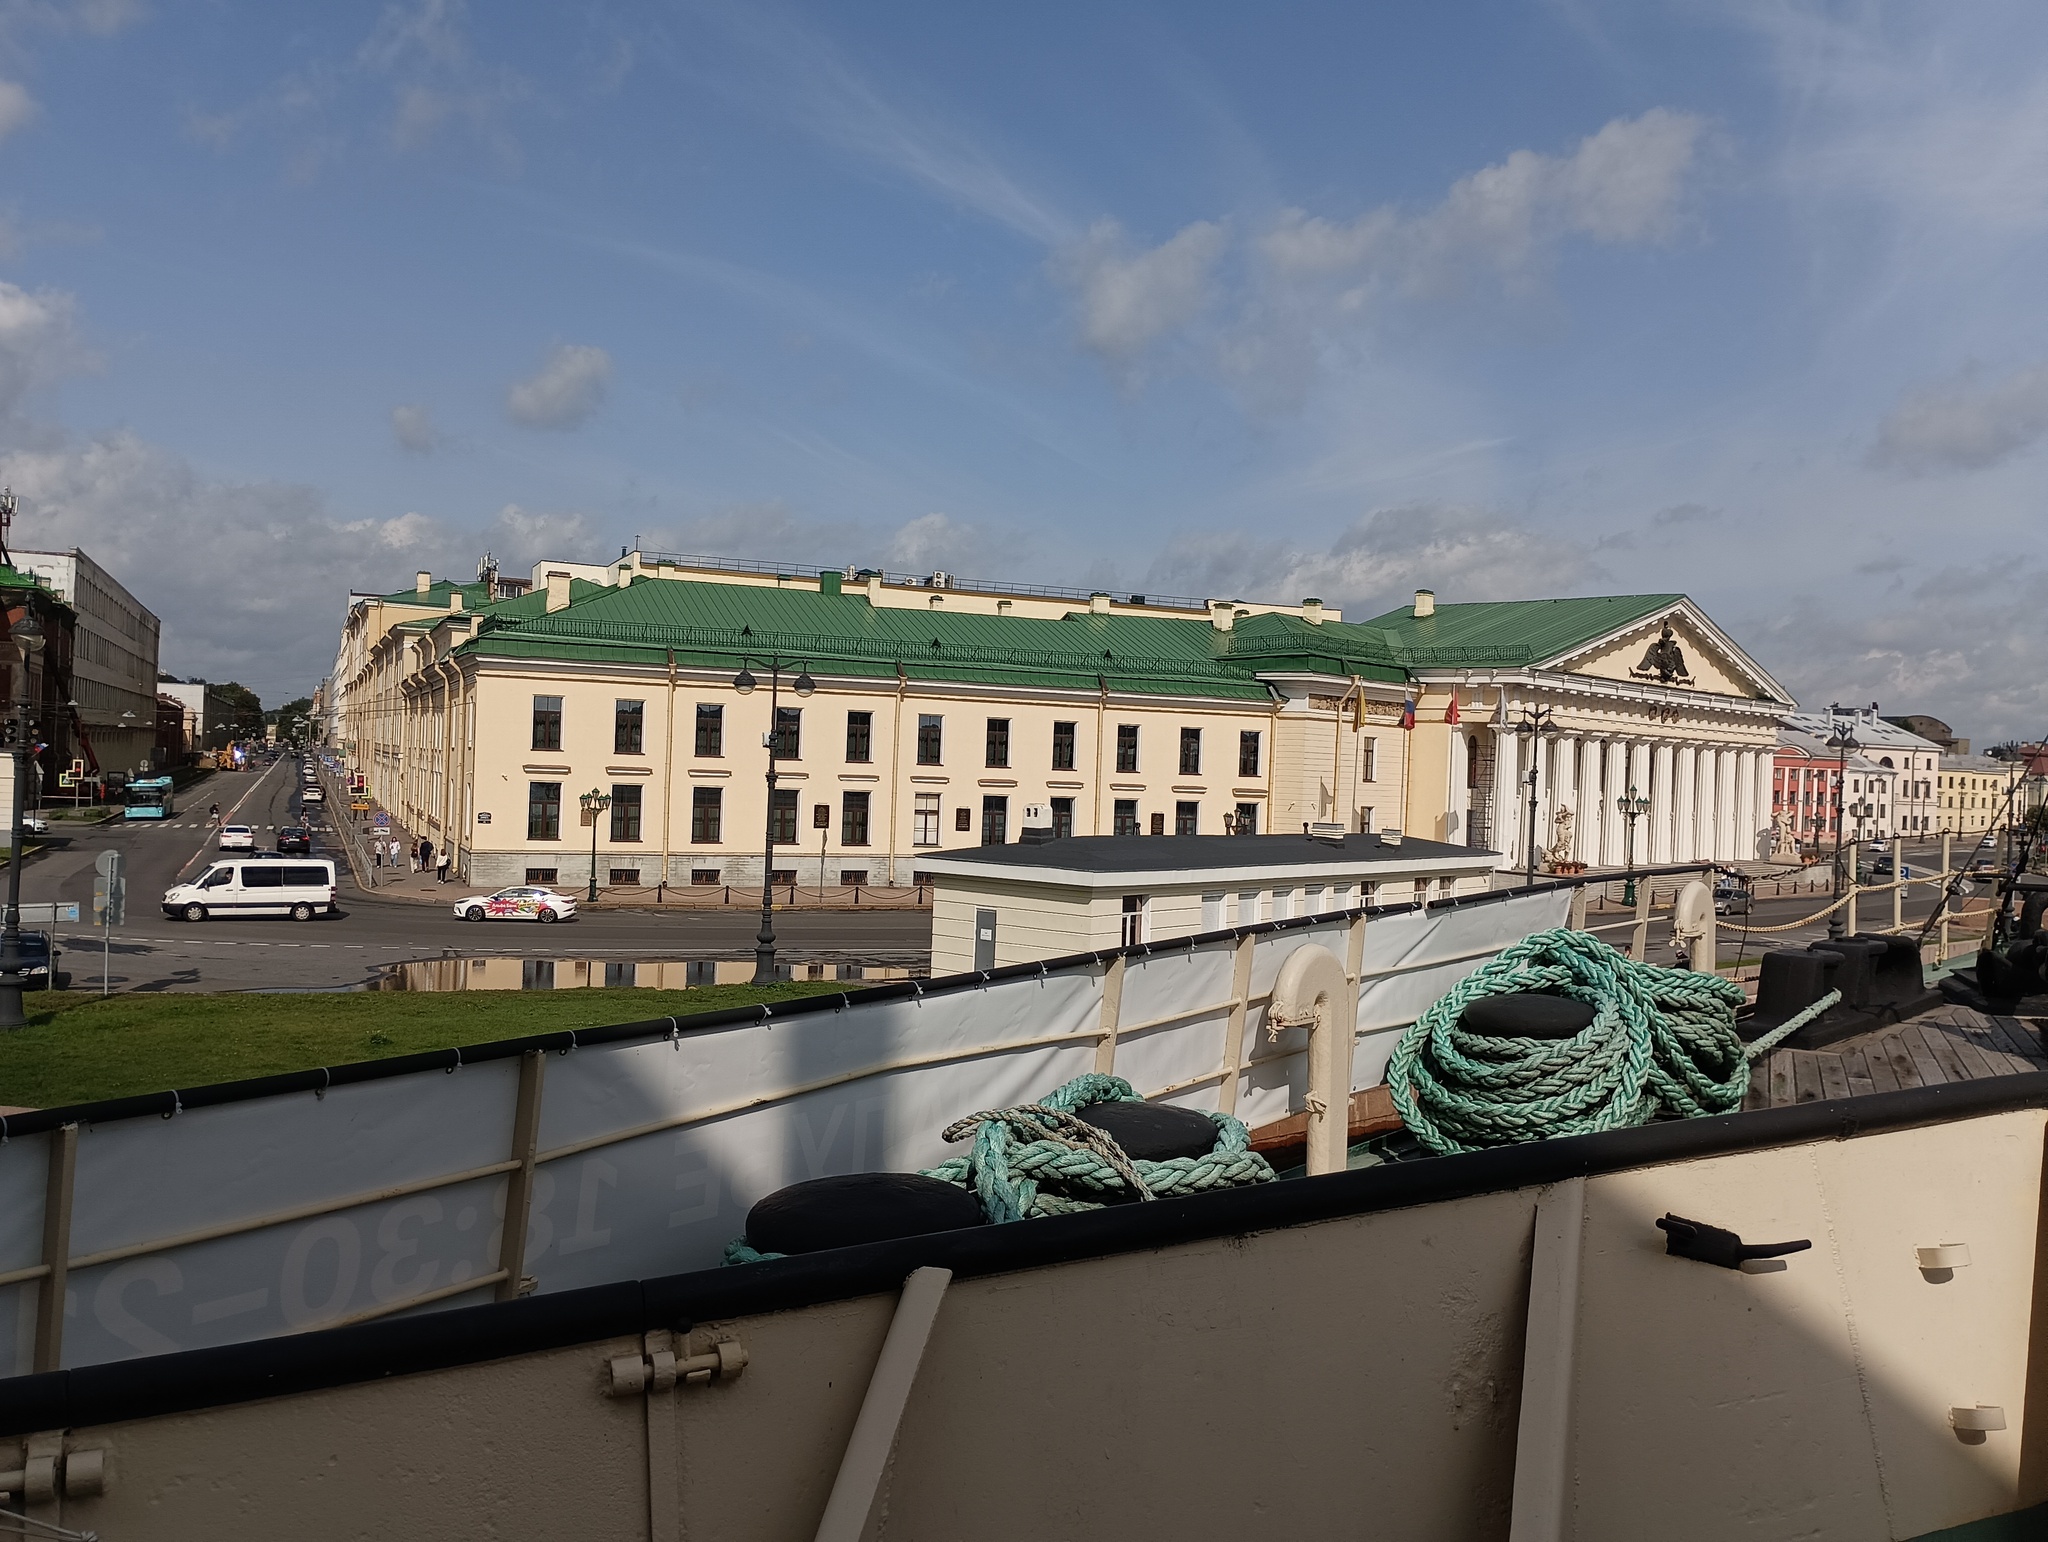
[1844, 743]
[594, 802]
[27, 635]
[744, 682]
[1633, 806]
[1535, 724]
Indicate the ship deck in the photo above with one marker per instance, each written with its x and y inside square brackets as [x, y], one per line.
[1943, 1044]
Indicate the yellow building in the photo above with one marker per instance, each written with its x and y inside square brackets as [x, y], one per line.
[1973, 793]
[942, 715]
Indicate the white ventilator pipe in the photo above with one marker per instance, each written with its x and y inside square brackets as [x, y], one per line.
[1312, 991]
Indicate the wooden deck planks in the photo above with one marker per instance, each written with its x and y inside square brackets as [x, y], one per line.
[1805, 1076]
[1949, 1044]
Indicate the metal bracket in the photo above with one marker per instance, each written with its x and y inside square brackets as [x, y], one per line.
[659, 1370]
[1712, 1245]
[77, 1474]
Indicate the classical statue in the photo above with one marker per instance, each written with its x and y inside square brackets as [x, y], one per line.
[1664, 661]
[1561, 846]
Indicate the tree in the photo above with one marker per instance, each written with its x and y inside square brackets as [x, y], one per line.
[245, 710]
[294, 720]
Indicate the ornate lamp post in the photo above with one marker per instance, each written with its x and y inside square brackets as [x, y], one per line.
[1535, 725]
[27, 635]
[1633, 806]
[1844, 743]
[744, 682]
[594, 802]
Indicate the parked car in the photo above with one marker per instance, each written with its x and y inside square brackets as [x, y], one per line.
[35, 824]
[1883, 868]
[524, 902]
[1731, 898]
[312, 795]
[294, 838]
[237, 838]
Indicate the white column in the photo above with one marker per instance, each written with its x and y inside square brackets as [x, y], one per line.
[1659, 827]
[1720, 808]
[1766, 774]
[1685, 803]
[1505, 760]
[1638, 777]
[1617, 788]
[1745, 805]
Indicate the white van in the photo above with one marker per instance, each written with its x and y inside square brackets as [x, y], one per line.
[301, 888]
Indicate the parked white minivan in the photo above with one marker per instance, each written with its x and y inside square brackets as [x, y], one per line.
[265, 886]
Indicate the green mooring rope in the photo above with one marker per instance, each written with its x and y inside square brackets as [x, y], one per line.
[1661, 1040]
[1038, 1159]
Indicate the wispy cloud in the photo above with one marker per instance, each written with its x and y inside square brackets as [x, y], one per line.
[564, 391]
[1964, 423]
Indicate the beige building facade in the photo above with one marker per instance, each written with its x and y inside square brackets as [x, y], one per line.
[1974, 793]
[946, 716]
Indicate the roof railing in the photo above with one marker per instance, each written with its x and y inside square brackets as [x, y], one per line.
[938, 581]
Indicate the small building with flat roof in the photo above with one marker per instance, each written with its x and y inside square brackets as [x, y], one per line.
[1015, 903]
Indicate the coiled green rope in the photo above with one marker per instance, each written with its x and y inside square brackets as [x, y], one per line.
[1661, 1040]
[1038, 1159]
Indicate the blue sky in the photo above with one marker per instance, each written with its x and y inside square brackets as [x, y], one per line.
[1502, 299]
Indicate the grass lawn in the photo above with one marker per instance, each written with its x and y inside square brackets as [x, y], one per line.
[79, 1047]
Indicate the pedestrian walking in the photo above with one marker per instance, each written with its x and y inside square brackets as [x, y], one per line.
[441, 868]
[396, 853]
[376, 853]
[426, 855]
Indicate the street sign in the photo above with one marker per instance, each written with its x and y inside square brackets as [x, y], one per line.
[107, 864]
[360, 806]
[66, 779]
[49, 915]
[381, 820]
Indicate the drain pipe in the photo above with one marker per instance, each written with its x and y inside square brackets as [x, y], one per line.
[1313, 992]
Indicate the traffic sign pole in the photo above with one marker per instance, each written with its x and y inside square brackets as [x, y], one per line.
[109, 906]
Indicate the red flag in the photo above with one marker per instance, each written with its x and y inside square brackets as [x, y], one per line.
[1451, 712]
[1408, 713]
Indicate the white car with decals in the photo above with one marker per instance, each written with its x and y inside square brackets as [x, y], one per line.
[523, 902]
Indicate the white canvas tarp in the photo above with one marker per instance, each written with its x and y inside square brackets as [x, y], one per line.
[275, 1214]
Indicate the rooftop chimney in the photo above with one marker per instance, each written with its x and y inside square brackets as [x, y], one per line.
[1425, 603]
[454, 599]
[1098, 602]
[1222, 615]
[422, 581]
[558, 592]
[1312, 611]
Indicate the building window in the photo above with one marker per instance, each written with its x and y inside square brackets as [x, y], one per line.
[1365, 821]
[707, 814]
[1184, 815]
[1126, 747]
[963, 819]
[853, 819]
[1134, 920]
[925, 820]
[995, 821]
[789, 731]
[630, 877]
[1124, 817]
[1248, 752]
[547, 722]
[544, 810]
[782, 817]
[998, 742]
[852, 878]
[628, 724]
[710, 729]
[1063, 746]
[1248, 907]
[1062, 818]
[543, 875]
[625, 811]
[1191, 752]
[1368, 759]
[705, 877]
[860, 738]
[1159, 824]
[930, 732]
[1247, 821]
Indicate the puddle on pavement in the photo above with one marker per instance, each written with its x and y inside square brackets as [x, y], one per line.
[554, 974]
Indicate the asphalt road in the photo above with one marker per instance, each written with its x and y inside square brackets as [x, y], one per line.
[154, 953]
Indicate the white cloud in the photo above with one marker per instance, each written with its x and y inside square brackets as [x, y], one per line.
[1461, 553]
[1965, 423]
[566, 390]
[413, 428]
[250, 578]
[16, 107]
[1621, 186]
[1128, 300]
[38, 343]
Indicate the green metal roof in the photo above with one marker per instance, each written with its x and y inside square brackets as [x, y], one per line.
[843, 634]
[1495, 632]
[532, 603]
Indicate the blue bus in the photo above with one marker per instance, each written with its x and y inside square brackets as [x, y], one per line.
[150, 798]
